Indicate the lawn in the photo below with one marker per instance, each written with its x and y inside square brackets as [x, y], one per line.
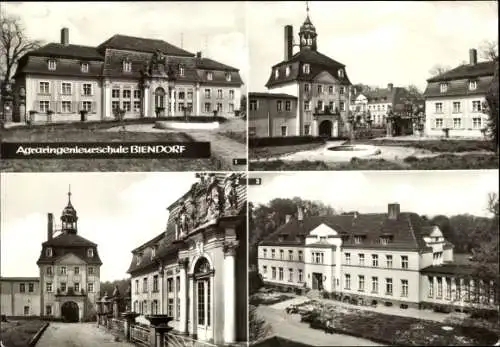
[400, 331]
[441, 162]
[19, 333]
[273, 151]
[239, 136]
[94, 133]
[448, 146]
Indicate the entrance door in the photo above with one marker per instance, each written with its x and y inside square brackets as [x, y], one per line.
[69, 312]
[203, 282]
[317, 281]
[159, 101]
[325, 128]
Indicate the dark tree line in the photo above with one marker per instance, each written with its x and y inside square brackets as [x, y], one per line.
[108, 287]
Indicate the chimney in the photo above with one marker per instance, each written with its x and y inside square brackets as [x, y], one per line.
[393, 211]
[198, 54]
[389, 86]
[287, 218]
[300, 214]
[473, 56]
[288, 42]
[50, 226]
[65, 36]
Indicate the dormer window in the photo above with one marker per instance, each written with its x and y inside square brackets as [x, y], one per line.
[48, 252]
[153, 252]
[341, 73]
[181, 70]
[472, 85]
[443, 87]
[127, 66]
[139, 256]
[90, 253]
[306, 68]
[84, 67]
[228, 76]
[287, 71]
[276, 73]
[358, 239]
[210, 76]
[52, 65]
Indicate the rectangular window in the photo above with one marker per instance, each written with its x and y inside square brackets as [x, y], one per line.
[430, 282]
[48, 310]
[66, 88]
[49, 270]
[439, 123]
[330, 90]
[31, 287]
[307, 106]
[388, 286]
[115, 105]
[44, 106]
[155, 283]
[476, 123]
[137, 106]
[282, 254]
[253, 105]
[279, 105]
[219, 107]
[52, 65]
[374, 284]
[320, 105]
[307, 87]
[44, 88]
[472, 85]
[48, 287]
[288, 105]
[208, 107]
[127, 93]
[448, 289]
[63, 270]
[438, 107]
[443, 87]
[170, 285]
[264, 253]
[404, 288]
[457, 123]
[307, 130]
[284, 130]
[91, 270]
[290, 255]
[115, 93]
[342, 106]
[374, 260]
[439, 293]
[90, 287]
[404, 261]
[210, 76]
[137, 94]
[347, 281]
[458, 290]
[361, 283]
[341, 90]
[264, 269]
[388, 260]
[347, 257]
[273, 253]
[22, 287]
[361, 258]
[63, 286]
[456, 107]
[77, 270]
[231, 107]
[84, 67]
[273, 273]
[126, 106]
[301, 256]
[208, 94]
[137, 286]
[26, 310]
[357, 239]
[219, 94]
[320, 89]
[476, 106]
[290, 275]
[87, 89]
[300, 275]
[145, 285]
[170, 307]
[87, 106]
[77, 287]
[280, 274]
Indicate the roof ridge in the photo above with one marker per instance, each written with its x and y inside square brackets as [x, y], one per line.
[412, 230]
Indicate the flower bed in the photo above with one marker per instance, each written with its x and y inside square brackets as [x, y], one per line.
[268, 299]
[401, 331]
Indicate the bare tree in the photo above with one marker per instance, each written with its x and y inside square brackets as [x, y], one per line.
[439, 69]
[414, 90]
[488, 50]
[13, 45]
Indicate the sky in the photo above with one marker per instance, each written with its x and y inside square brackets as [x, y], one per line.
[427, 193]
[217, 29]
[379, 42]
[117, 211]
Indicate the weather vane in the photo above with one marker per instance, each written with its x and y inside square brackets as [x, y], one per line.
[69, 192]
[307, 7]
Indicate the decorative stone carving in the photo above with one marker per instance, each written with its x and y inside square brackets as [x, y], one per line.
[230, 248]
[214, 199]
[183, 262]
[182, 223]
[190, 211]
[116, 292]
[199, 247]
[230, 195]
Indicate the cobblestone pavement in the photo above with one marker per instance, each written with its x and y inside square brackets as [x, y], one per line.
[290, 327]
[78, 335]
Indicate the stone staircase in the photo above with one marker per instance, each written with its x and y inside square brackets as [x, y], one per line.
[314, 294]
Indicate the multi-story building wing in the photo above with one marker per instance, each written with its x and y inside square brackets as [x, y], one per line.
[454, 100]
[69, 268]
[395, 258]
[319, 83]
[273, 114]
[140, 77]
[20, 296]
[196, 270]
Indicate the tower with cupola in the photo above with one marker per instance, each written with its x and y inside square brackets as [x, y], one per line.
[307, 33]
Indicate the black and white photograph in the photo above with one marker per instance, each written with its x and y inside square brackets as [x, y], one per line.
[373, 85]
[123, 259]
[374, 258]
[140, 72]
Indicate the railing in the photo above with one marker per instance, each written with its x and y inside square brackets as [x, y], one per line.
[174, 340]
[140, 334]
[118, 325]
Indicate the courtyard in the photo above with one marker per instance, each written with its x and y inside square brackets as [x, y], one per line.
[227, 143]
[19, 333]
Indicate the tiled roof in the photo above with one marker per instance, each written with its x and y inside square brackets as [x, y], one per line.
[466, 71]
[20, 279]
[123, 42]
[210, 64]
[167, 248]
[67, 243]
[459, 87]
[407, 231]
[318, 63]
[449, 269]
[58, 50]
[67, 239]
[271, 95]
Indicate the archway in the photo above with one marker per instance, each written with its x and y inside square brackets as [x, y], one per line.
[69, 312]
[325, 128]
[203, 289]
[160, 98]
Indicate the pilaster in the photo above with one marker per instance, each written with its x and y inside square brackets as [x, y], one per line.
[183, 326]
[197, 88]
[229, 292]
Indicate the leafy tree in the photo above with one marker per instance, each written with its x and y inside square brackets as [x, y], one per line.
[488, 50]
[491, 107]
[109, 286]
[13, 45]
[258, 327]
[438, 69]
[414, 91]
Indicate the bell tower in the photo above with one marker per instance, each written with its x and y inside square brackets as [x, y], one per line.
[307, 33]
[68, 217]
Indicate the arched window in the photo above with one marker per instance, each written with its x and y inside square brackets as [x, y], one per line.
[202, 273]
[159, 97]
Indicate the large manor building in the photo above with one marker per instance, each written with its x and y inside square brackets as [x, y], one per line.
[308, 92]
[69, 281]
[196, 270]
[139, 76]
[393, 258]
[455, 99]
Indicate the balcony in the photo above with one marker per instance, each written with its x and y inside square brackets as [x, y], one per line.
[70, 291]
[326, 111]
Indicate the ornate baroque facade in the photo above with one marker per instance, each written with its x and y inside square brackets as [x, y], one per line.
[196, 271]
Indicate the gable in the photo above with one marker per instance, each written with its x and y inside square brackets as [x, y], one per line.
[361, 98]
[436, 232]
[325, 77]
[70, 259]
[323, 230]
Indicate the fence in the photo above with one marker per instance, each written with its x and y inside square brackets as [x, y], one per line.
[140, 334]
[173, 340]
[118, 325]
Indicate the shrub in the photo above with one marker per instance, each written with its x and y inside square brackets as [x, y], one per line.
[442, 308]
[410, 159]
[484, 314]
[284, 141]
